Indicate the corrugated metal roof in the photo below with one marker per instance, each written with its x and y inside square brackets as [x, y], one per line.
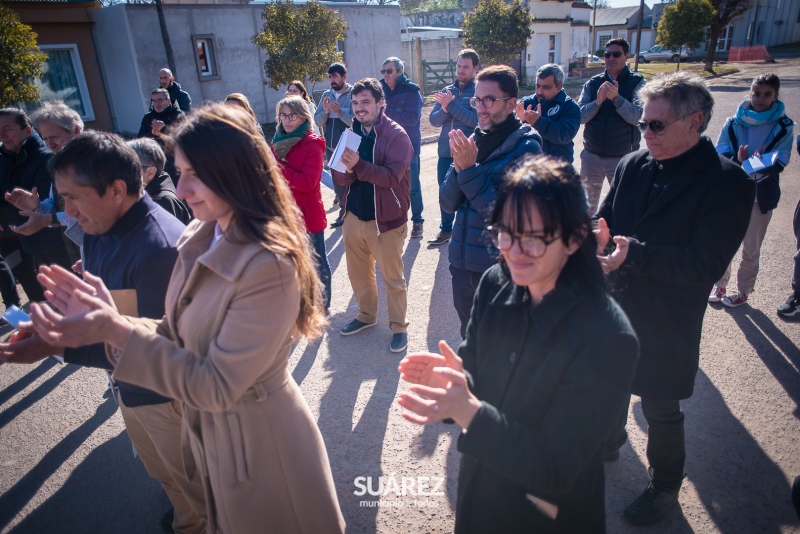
[50, 2]
[615, 16]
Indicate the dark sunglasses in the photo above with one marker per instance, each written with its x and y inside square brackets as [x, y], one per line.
[609, 54]
[657, 127]
[387, 71]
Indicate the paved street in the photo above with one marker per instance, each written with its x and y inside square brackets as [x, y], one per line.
[66, 464]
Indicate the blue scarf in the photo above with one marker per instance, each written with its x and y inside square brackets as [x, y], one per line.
[749, 117]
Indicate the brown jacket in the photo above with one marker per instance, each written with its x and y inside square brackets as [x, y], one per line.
[223, 349]
[389, 173]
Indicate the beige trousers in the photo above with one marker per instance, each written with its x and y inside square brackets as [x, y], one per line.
[155, 431]
[751, 252]
[364, 247]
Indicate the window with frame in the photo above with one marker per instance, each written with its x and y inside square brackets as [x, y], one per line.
[206, 57]
[725, 39]
[551, 49]
[602, 39]
[63, 79]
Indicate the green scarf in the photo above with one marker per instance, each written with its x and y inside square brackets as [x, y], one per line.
[283, 142]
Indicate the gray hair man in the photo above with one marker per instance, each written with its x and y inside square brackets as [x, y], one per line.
[555, 116]
[688, 208]
[404, 106]
[158, 183]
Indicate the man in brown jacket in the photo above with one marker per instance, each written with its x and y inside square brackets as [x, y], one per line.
[376, 200]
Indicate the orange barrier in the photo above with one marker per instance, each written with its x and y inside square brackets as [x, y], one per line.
[748, 53]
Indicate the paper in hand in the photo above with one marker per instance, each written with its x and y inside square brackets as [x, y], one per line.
[14, 316]
[758, 164]
[349, 139]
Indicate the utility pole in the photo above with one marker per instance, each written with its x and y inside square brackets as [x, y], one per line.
[162, 22]
[639, 36]
[594, 19]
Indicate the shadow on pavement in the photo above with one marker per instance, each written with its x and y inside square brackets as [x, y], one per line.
[109, 491]
[776, 350]
[37, 394]
[26, 380]
[424, 446]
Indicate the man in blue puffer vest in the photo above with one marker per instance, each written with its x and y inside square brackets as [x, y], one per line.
[480, 162]
[552, 113]
[404, 106]
[610, 112]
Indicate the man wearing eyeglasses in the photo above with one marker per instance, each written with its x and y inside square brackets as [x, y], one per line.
[453, 112]
[672, 221]
[480, 161]
[162, 113]
[610, 112]
[404, 106]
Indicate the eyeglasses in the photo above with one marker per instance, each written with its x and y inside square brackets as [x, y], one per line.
[158, 100]
[289, 117]
[533, 246]
[609, 54]
[387, 71]
[657, 127]
[487, 102]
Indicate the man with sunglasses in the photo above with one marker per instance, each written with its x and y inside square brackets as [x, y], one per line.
[672, 221]
[404, 106]
[610, 112]
[480, 161]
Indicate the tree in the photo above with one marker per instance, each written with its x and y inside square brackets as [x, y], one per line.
[684, 24]
[300, 41]
[20, 60]
[724, 12]
[497, 31]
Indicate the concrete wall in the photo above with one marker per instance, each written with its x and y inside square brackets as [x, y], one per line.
[443, 18]
[136, 52]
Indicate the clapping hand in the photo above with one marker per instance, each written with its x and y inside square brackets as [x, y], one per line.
[334, 107]
[614, 260]
[529, 115]
[23, 199]
[464, 150]
[156, 126]
[439, 388]
[36, 221]
[602, 234]
[326, 105]
[444, 99]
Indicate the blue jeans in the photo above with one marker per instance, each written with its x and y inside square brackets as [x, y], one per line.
[441, 169]
[323, 267]
[416, 192]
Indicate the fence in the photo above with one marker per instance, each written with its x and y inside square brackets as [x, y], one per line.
[748, 53]
[438, 74]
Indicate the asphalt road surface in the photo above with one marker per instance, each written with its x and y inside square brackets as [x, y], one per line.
[66, 463]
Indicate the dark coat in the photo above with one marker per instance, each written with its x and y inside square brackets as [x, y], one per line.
[551, 378]
[27, 170]
[162, 191]
[179, 96]
[469, 194]
[404, 106]
[459, 115]
[681, 244]
[558, 125]
[169, 116]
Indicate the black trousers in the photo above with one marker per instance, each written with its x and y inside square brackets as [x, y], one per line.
[8, 285]
[24, 271]
[465, 283]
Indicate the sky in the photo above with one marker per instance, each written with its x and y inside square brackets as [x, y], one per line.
[627, 3]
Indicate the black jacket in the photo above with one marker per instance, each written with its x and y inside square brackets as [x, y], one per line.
[552, 379]
[162, 191]
[179, 96]
[169, 116]
[681, 244]
[27, 170]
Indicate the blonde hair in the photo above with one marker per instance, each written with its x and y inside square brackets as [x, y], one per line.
[242, 100]
[296, 105]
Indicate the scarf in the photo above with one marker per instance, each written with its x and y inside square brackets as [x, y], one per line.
[488, 142]
[283, 142]
[750, 117]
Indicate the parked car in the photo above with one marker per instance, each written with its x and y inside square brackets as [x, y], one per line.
[659, 52]
[593, 58]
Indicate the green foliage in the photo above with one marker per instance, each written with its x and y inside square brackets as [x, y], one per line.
[497, 31]
[409, 7]
[20, 60]
[684, 24]
[300, 41]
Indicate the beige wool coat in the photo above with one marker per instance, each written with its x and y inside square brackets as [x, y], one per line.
[223, 349]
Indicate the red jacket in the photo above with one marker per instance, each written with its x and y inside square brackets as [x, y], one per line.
[389, 174]
[303, 171]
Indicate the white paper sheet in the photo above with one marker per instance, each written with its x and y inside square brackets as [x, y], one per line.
[756, 164]
[349, 139]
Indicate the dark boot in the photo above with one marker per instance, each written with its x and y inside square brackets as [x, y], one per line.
[652, 505]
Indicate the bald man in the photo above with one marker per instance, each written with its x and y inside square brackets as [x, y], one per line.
[176, 94]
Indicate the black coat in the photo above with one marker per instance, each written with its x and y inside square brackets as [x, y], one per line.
[178, 96]
[682, 243]
[27, 170]
[169, 116]
[162, 191]
[552, 379]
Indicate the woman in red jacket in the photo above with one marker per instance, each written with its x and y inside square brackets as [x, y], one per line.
[300, 154]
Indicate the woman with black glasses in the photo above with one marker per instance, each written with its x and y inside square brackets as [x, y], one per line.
[544, 371]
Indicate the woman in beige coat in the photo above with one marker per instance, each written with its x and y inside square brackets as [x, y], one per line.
[243, 288]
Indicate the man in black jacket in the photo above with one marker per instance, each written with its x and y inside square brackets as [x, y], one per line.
[162, 114]
[610, 111]
[176, 93]
[23, 164]
[157, 183]
[404, 106]
[677, 213]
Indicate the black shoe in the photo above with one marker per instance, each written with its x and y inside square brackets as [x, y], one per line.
[796, 495]
[337, 223]
[613, 447]
[440, 239]
[791, 306]
[416, 230]
[651, 506]
[354, 327]
[166, 520]
[399, 342]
